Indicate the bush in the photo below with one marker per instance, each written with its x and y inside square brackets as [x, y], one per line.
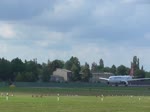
[12, 86]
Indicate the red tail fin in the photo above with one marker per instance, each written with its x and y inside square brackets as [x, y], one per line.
[132, 71]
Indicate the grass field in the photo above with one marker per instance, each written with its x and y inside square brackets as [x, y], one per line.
[25, 103]
[22, 101]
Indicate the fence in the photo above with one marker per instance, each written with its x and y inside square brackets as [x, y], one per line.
[3, 84]
[66, 85]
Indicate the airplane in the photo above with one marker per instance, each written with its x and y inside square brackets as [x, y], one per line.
[121, 79]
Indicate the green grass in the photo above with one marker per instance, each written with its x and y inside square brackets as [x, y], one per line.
[26, 103]
[116, 99]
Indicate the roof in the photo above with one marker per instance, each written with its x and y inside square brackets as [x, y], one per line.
[108, 73]
[63, 70]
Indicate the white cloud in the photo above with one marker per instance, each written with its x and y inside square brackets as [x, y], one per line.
[3, 48]
[139, 17]
[105, 10]
[110, 53]
[56, 36]
[87, 29]
[50, 38]
[7, 31]
[68, 7]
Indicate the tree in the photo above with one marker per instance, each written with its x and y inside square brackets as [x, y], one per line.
[136, 63]
[140, 73]
[94, 67]
[25, 77]
[49, 68]
[45, 73]
[74, 65]
[19, 77]
[5, 70]
[106, 69]
[101, 64]
[122, 70]
[30, 77]
[85, 71]
[68, 65]
[31, 67]
[113, 69]
[75, 73]
[56, 64]
[17, 65]
[142, 68]
[147, 74]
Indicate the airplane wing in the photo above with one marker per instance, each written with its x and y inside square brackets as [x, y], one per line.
[101, 78]
[139, 79]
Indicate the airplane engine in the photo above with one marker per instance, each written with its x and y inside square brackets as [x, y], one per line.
[125, 83]
[108, 83]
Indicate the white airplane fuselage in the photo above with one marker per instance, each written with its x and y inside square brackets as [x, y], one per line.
[119, 79]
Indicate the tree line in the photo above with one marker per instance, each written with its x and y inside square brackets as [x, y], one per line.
[32, 71]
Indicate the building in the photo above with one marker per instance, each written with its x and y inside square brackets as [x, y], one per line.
[61, 75]
[96, 75]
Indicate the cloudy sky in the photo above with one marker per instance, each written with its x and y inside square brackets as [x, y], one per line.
[114, 30]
